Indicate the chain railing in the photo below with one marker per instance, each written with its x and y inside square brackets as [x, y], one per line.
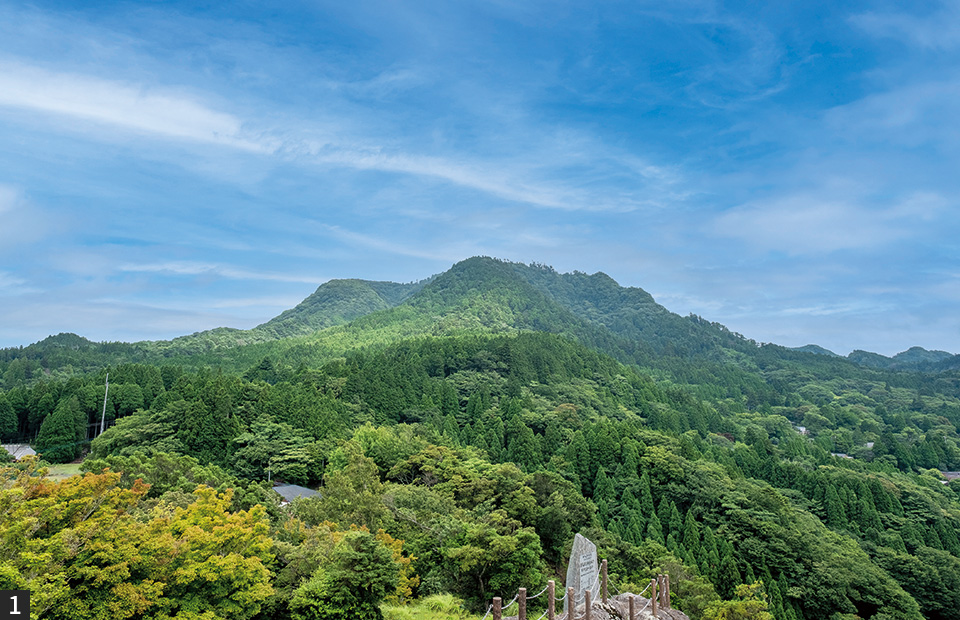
[659, 590]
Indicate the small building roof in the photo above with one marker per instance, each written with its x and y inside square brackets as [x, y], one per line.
[19, 449]
[290, 492]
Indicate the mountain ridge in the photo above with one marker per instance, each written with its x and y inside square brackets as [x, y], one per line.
[478, 294]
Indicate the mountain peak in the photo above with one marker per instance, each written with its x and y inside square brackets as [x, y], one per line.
[815, 348]
[919, 355]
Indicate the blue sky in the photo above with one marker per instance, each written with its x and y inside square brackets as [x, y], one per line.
[788, 170]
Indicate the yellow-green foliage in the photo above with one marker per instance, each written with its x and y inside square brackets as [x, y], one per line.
[436, 607]
[85, 551]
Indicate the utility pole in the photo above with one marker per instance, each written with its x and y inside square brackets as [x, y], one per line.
[103, 416]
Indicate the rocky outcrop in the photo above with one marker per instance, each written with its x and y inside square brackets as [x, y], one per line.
[617, 608]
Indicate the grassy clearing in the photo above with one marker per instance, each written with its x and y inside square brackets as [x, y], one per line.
[436, 607]
[62, 472]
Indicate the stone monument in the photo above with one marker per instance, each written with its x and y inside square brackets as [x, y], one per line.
[582, 572]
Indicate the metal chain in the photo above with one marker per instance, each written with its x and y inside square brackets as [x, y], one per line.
[530, 598]
[565, 615]
[596, 585]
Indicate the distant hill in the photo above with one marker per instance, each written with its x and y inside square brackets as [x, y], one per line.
[919, 355]
[813, 348]
[866, 358]
[913, 358]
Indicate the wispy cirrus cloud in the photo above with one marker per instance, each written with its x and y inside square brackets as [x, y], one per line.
[8, 198]
[549, 174]
[133, 107]
[937, 30]
[279, 303]
[830, 309]
[188, 268]
[527, 186]
[434, 251]
[813, 223]
[21, 221]
[10, 281]
[903, 115]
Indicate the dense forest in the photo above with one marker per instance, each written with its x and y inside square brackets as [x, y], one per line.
[461, 430]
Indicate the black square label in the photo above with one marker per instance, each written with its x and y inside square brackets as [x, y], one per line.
[14, 605]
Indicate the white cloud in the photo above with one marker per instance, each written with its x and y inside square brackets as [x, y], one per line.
[811, 224]
[257, 302]
[520, 183]
[541, 172]
[21, 221]
[910, 115]
[446, 254]
[826, 309]
[186, 268]
[168, 114]
[10, 281]
[128, 106]
[9, 197]
[939, 31]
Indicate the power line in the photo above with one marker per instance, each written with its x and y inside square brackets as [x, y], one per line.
[103, 417]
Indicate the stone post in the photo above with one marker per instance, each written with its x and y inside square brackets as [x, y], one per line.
[497, 613]
[587, 604]
[522, 604]
[630, 607]
[653, 595]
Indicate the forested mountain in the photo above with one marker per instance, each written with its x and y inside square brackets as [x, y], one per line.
[470, 424]
[336, 302]
[812, 348]
[913, 358]
[476, 295]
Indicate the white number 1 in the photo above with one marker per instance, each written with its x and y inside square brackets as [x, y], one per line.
[15, 612]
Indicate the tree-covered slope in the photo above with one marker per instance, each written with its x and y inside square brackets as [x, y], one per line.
[863, 411]
[812, 348]
[333, 303]
[628, 312]
[485, 453]
[914, 358]
[487, 414]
